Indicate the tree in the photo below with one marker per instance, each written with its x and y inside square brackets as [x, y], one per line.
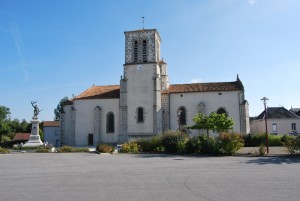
[4, 113]
[215, 122]
[202, 122]
[59, 109]
[4, 117]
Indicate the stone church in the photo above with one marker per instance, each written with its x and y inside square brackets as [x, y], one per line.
[145, 104]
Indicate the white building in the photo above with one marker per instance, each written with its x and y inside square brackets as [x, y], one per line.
[279, 121]
[144, 104]
[51, 130]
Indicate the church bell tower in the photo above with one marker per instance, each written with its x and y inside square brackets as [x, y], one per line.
[140, 85]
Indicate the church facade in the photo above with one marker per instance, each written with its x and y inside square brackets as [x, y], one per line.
[145, 104]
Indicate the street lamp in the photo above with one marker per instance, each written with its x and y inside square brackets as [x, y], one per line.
[265, 99]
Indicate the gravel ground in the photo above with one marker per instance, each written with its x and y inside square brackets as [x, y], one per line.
[274, 151]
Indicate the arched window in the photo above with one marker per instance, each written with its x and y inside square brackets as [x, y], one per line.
[201, 108]
[140, 115]
[110, 123]
[222, 111]
[97, 123]
[181, 113]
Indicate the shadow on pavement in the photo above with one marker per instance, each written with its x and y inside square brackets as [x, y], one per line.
[275, 160]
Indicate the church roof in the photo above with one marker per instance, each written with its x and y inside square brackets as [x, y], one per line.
[52, 124]
[21, 136]
[98, 92]
[205, 87]
[295, 111]
[277, 113]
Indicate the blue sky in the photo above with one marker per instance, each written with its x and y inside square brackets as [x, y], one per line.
[55, 48]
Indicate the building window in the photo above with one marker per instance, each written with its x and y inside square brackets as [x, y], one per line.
[140, 115]
[181, 114]
[144, 51]
[110, 123]
[274, 128]
[56, 132]
[135, 51]
[222, 111]
[294, 127]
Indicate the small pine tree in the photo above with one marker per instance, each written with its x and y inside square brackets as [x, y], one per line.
[59, 109]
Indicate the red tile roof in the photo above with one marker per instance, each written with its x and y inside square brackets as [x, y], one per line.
[21, 136]
[52, 124]
[113, 91]
[205, 87]
[98, 92]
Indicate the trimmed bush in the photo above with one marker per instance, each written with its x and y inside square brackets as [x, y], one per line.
[229, 143]
[292, 145]
[4, 151]
[104, 148]
[130, 147]
[42, 150]
[262, 150]
[152, 144]
[7, 144]
[174, 141]
[258, 139]
[68, 149]
[201, 144]
[275, 140]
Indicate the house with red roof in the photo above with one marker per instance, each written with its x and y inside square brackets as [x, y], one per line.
[144, 103]
[21, 137]
[51, 130]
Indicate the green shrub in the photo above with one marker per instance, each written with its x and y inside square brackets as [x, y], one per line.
[18, 147]
[68, 149]
[275, 140]
[160, 149]
[42, 150]
[129, 147]
[152, 144]
[201, 144]
[292, 144]
[4, 151]
[171, 139]
[262, 150]
[84, 149]
[284, 138]
[104, 148]
[255, 140]
[194, 145]
[229, 143]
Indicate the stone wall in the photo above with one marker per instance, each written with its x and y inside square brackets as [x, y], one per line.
[153, 41]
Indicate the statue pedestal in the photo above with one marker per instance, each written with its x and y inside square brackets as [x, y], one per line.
[34, 138]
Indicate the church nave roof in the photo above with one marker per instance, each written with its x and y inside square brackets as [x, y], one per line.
[97, 92]
[205, 87]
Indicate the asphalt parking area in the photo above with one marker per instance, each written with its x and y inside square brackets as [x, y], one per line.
[87, 176]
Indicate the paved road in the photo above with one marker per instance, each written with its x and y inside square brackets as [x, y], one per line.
[92, 177]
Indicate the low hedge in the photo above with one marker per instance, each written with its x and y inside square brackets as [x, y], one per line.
[129, 147]
[4, 151]
[69, 149]
[255, 140]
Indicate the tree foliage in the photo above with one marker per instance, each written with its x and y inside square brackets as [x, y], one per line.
[4, 113]
[215, 122]
[4, 116]
[59, 109]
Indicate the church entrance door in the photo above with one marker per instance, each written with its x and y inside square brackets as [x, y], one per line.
[91, 139]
